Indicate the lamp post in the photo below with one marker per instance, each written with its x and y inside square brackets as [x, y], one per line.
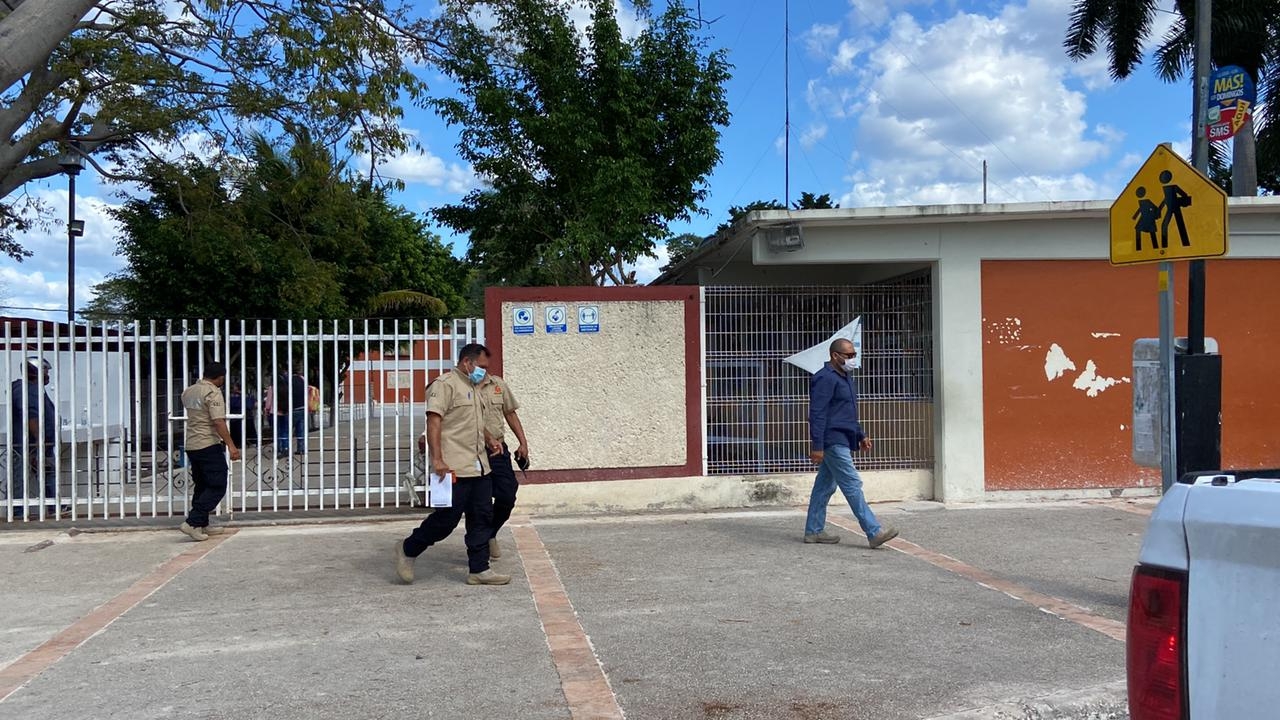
[72, 162]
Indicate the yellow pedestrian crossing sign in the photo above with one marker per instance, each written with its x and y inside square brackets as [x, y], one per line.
[1169, 211]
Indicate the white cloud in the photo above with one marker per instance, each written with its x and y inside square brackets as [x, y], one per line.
[41, 280]
[813, 135]
[649, 268]
[877, 12]
[933, 101]
[629, 22]
[820, 38]
[430, 169]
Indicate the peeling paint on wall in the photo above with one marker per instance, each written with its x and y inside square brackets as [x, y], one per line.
[1056, 363]
[1092, 384]
[1004, 332]
[1099, 335]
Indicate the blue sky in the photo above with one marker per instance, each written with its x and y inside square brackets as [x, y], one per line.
[893, 102]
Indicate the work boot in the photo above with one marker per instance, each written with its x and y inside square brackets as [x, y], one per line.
[488, 577]
[823, 537]
[886, 534]
[404, 564]
[195, 533]
[214, 530]
[495, 550]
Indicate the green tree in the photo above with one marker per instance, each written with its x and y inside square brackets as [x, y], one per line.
[809, 201]
[680, 247]
[737, 212]
[289, 235]
[133, 76]
[589, 145]
[1244, 33]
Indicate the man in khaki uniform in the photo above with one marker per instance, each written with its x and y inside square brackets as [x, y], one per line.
[455, 437]
[500, 407]
[207, 441]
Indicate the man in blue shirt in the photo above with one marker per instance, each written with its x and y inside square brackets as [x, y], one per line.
[834, 432]
[33, 445]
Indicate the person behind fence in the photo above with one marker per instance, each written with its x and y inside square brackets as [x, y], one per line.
[291, 411]
[500, 407]
[835, 433]
[455, 440]
[246, 405]
[34, 446]
[208, 441]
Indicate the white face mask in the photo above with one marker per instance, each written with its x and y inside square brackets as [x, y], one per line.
[849, 365]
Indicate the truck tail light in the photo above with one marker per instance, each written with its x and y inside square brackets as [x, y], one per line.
[1156, 647]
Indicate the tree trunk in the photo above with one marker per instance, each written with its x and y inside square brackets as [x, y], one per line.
[32, 31]
[1244, 162]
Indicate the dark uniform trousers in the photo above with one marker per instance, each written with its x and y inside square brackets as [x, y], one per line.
[208, 482]
[505, 486]
[472, 498]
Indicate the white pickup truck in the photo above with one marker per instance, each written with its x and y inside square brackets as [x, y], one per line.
[1204, 608]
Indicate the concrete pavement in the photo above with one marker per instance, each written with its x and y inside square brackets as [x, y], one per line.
[698, 615]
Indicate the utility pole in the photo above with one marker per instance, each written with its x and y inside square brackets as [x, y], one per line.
[1197, 382]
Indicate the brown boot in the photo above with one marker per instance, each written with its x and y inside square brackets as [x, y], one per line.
[886, 534]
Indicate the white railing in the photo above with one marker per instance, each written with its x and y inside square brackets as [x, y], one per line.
[115, 399]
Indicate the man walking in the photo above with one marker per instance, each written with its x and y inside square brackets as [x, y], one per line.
[207, 442]
[500, 407]
[291, 412]
[835, 433]
[34, 431]
[455, 439]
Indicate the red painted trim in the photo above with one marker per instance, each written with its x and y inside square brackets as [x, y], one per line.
[689, 295]
[546, 477]
[493, 328]
[589, 294]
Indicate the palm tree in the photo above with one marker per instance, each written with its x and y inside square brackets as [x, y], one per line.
[1243, 32]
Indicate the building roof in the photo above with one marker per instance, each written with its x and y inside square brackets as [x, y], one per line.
[918, 214]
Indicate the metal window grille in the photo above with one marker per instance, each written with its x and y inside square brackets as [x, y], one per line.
[118, 420]
[757, 404]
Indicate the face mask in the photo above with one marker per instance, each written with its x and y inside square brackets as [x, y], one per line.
[849, 365]
[477, 376]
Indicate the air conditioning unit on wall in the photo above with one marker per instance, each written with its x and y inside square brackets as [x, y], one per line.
[785, 238]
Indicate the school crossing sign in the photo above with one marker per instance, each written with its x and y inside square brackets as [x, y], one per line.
[1169, 211]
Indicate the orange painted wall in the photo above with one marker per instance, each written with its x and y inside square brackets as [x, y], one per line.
[1044, 433]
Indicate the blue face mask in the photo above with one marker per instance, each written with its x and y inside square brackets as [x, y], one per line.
[477, 376]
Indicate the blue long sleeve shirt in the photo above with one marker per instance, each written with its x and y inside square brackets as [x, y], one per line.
[833, 410]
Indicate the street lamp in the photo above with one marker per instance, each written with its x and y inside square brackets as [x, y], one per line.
[72, 162]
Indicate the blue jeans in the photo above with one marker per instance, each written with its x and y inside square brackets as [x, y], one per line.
[291, 426]
[837, 470]
[35, 471]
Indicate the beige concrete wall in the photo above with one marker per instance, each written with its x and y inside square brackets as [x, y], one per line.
[612, 399]
[710, 493]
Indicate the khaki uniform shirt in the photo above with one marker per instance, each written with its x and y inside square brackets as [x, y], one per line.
[204, 404]
[498, 400]
[457, 402]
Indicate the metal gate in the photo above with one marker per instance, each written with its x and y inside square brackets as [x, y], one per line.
[115, 398]
[757, 404]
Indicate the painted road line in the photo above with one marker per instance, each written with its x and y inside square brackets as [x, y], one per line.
[586, 688]
[26, 668]
[1045, 603]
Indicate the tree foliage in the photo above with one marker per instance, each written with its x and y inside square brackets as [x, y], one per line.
[589, 142]
[809, 201]
[285, 234]
[1243, 32]
[134, 77]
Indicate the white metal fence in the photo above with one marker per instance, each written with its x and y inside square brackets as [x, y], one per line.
[757, 404]
[114, 394]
